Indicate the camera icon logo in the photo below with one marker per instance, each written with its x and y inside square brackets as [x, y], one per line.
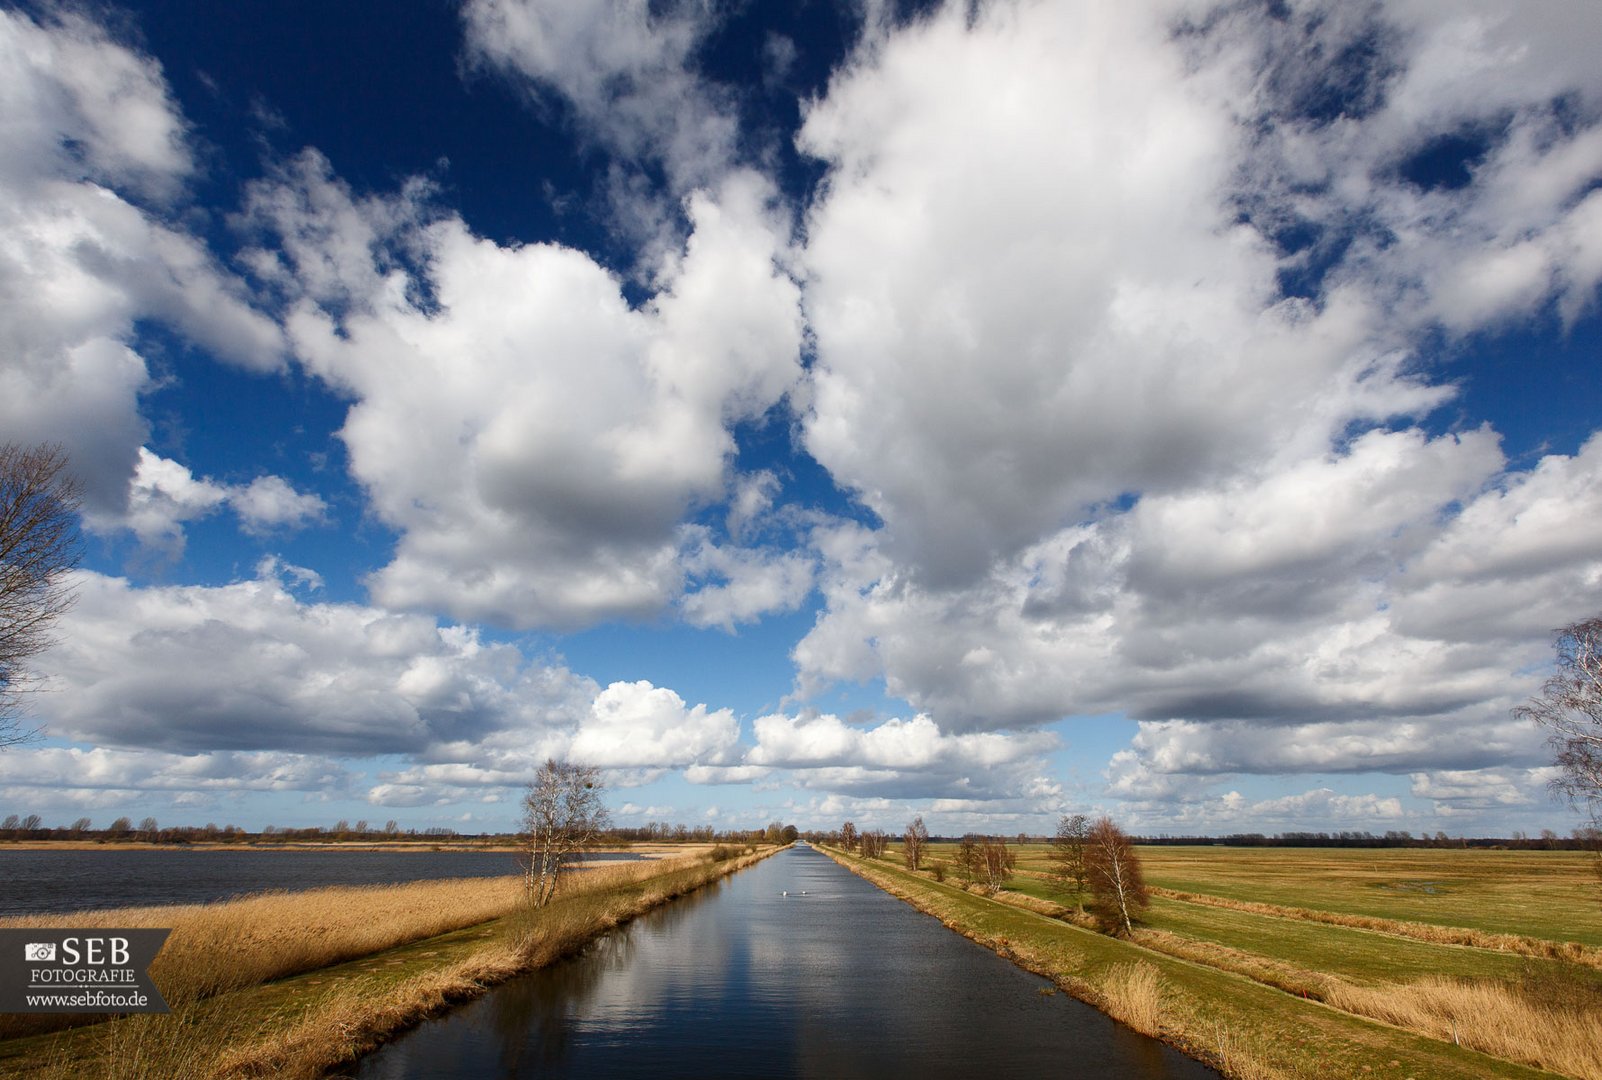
[39, 951]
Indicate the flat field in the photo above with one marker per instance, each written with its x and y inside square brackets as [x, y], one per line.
[1495, 952]
[1543, 894]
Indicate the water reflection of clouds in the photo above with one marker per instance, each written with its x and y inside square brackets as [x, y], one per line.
[843, 982]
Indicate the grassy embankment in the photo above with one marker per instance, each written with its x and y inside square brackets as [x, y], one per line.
[1449, 963]
[295, 984]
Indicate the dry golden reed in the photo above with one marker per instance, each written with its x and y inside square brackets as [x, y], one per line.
[224, 946]
[227, 1032]
[1494, 1018]
[1133, 994]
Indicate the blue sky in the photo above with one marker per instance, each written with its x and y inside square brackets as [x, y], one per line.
[808, 412]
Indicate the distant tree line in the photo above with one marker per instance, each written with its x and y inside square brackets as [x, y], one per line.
[18, 827]
[1581, 839]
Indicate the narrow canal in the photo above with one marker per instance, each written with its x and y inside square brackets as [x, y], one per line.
[834, 980]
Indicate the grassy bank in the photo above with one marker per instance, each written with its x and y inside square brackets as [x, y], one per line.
[296, 984]
[1262, 995]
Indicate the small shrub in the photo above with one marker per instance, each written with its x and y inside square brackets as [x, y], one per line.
[938, 869]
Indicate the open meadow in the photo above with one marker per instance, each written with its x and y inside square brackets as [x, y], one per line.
[293, 984]
[1291, 962]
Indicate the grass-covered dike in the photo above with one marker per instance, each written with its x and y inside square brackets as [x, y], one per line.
[1233, 966]
[300, 984]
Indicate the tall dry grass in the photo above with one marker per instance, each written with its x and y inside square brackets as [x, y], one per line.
[1571, 951]
[1133, 994]
[1494, 1018]
[237, 943]
[229, 1033]
[1237, 1060]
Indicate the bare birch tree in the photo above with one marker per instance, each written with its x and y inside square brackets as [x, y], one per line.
[1116, 882]
[39, 546]
[914, 843]
[1570, 707]
[996, 863]
[848, 836]
[562, 816]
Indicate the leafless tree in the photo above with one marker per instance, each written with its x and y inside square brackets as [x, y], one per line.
[562, 815]
[996, 863]
[1116, 882]
[848, 836]
[914, 843]
[873, 843]
[1068, 853]
[968, 859]
[39, 546]
[1570, 707]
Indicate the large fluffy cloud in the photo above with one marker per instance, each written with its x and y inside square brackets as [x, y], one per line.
[182, 687]
[1032, 295]
[537, 442]
[249, 666]
[1124, 322]
[93, 156]
[906, 759]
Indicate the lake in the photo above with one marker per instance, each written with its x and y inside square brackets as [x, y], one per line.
[39, 882]
[837, 979]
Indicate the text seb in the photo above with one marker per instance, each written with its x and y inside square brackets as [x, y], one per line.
[94, 950]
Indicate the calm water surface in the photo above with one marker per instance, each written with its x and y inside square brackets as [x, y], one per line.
[35, 882]
[739, 980]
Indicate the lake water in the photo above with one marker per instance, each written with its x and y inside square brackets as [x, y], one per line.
[37, 882]
[739, 980]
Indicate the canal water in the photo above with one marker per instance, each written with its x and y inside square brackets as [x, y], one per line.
[835, 980]
[40, 882]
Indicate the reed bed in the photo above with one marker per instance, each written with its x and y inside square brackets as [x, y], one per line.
[1133, 994]
[242, 1028]
[1494, 1018]
[215, 948]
